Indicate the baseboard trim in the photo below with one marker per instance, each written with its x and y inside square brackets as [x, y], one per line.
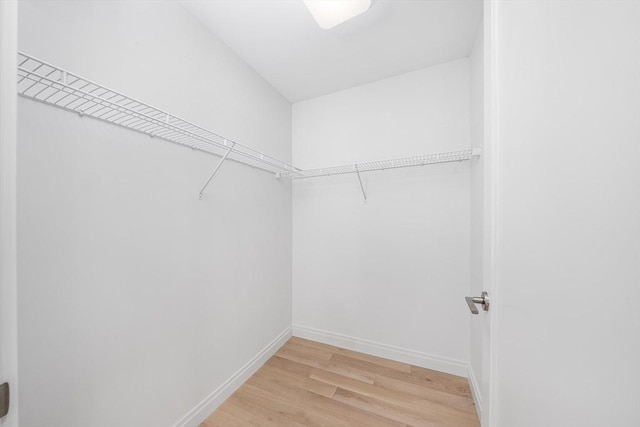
[226, 389]
[424, 360]
[475, 391]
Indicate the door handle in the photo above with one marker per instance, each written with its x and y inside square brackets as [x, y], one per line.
[482, 300]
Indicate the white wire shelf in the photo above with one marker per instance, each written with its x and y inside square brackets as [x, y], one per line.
[428, 159]
[43, 82]
[52, 85]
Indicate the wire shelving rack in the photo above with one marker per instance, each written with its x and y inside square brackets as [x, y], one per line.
[43, 82]
[55, 86]
[404, 162]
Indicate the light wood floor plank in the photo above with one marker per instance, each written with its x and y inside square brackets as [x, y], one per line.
[381, 408]
[418, 376]
[354, 416]
[224, 419]
[238, 412]
[316, 385]
[449, 399]
[292, 408]
[398, 366]
[437, 411]
[328, 365]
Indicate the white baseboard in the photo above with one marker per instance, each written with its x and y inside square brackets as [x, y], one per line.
[219, 395]
[423, 360]
[475, 391]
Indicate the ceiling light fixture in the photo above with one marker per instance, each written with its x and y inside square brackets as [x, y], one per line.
[329, 13]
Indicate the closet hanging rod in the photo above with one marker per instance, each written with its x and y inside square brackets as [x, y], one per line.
[404, 162]
[52, 85]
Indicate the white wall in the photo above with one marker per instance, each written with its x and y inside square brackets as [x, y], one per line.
[137, 300]
[476, 65]
[394, 270]
[568, 324]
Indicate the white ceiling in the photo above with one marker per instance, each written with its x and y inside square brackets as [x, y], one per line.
[281, 40]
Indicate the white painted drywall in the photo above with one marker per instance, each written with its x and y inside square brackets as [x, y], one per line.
[8, 174]
[476, 65]
[395, 270]
[136, 299]
[568, 324]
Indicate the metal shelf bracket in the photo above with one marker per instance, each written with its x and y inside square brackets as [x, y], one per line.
[364, 194]
[204, 187]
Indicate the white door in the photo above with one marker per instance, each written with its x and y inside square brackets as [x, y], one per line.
[483, 180]
[8, 301]
[566, 275]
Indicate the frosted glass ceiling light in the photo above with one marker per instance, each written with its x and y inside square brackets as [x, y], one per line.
[329, 13]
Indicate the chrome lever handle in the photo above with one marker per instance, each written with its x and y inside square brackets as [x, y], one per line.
[482, 300]
[471, 305]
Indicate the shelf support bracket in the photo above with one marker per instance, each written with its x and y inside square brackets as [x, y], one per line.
[364, 194]
[204, 187]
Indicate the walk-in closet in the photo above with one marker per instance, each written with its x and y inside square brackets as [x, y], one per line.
[324, 213]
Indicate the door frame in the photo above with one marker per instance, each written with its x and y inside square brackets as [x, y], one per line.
[491, 279]
[8, 173]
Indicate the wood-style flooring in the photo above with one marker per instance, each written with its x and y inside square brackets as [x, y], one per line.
[311, 384]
